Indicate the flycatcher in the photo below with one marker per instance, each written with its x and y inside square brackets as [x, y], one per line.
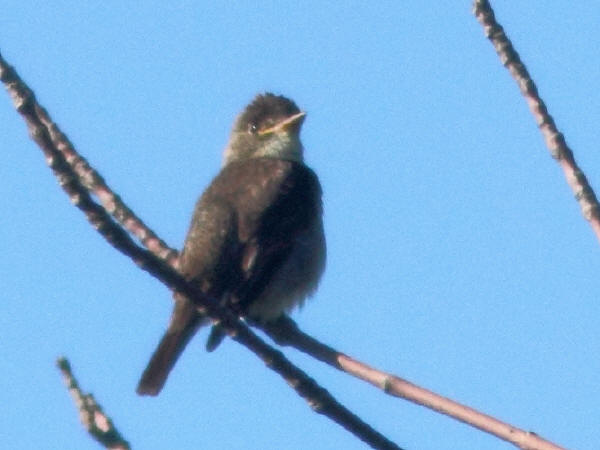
[256, 241]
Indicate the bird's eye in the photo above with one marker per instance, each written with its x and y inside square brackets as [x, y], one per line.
[252, 128]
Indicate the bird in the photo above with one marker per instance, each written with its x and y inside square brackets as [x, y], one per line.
[256, 242]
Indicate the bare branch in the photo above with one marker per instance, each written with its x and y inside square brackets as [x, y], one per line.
[555, 141]
[24, 98]
[95, 421]
[317, 397]
[286, 332]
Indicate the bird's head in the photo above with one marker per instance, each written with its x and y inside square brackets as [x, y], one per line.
[269, 127]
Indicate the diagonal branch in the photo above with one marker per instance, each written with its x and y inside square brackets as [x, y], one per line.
[317, 397]
[91, 179]
[555, 141]
[286, 332]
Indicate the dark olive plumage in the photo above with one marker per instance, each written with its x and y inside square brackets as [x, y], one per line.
[256, 239]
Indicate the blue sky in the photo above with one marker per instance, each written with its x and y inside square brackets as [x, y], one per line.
[457, 257]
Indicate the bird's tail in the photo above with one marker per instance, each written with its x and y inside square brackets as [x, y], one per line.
[184, 324]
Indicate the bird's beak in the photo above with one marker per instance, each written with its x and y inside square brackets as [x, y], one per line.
[290, 123]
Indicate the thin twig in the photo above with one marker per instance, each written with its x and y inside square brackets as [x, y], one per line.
[555, 141]
[95, 421]
[317, 397]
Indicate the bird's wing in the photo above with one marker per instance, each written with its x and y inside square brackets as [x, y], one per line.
[210, 237]
[274, 201]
